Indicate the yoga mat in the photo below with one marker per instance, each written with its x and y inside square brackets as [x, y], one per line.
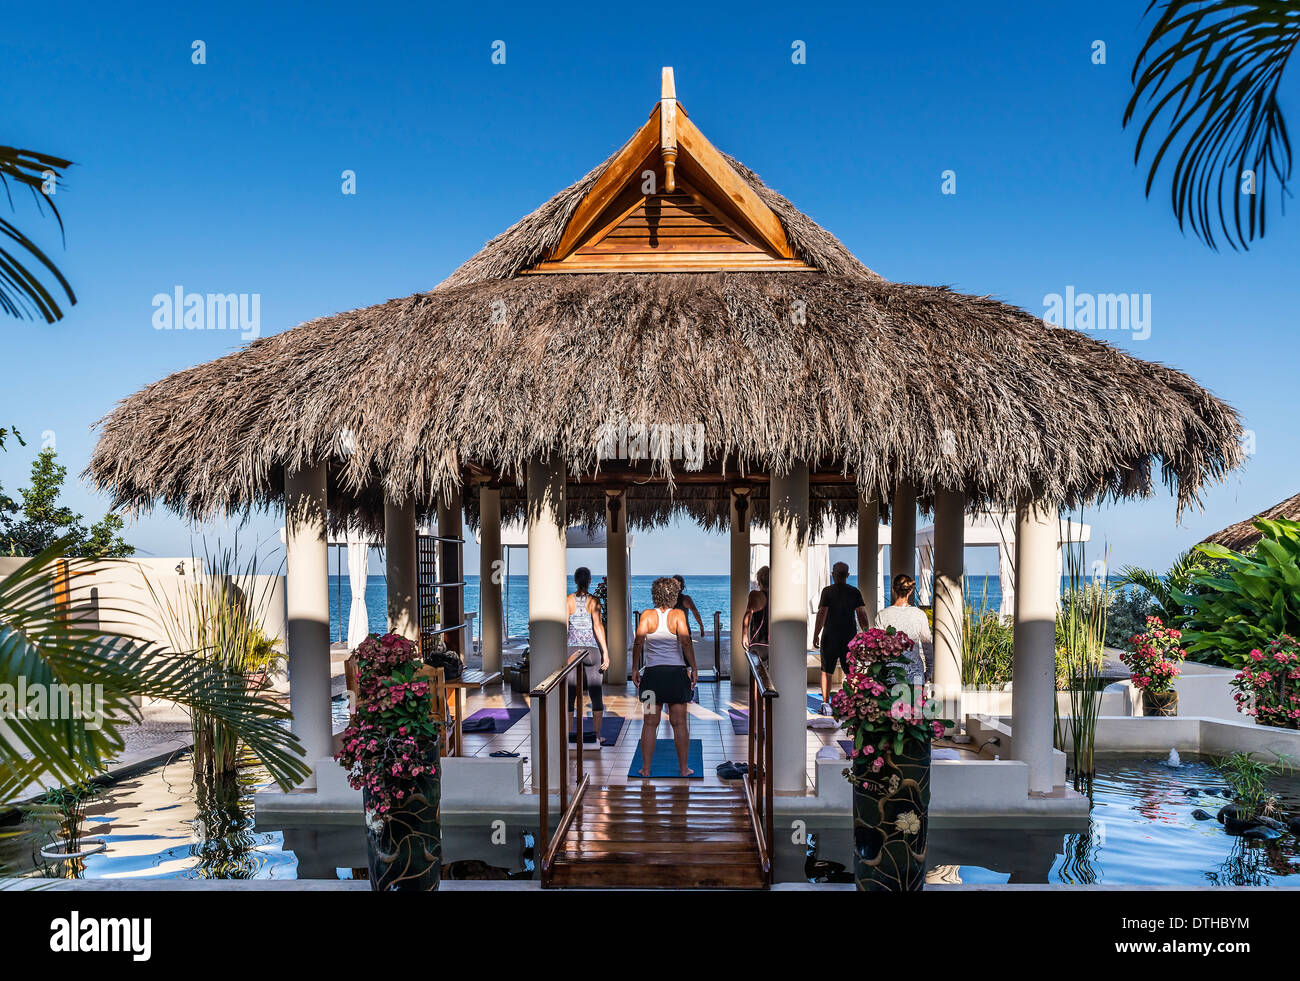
[611, 727]
[815, 704]
[739, 721]
[665, 760]
[846, 745]
[502, 719]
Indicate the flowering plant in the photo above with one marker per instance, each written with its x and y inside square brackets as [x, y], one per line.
[390, 740]
[1268, 687]
[1154, 661]
[877, 707]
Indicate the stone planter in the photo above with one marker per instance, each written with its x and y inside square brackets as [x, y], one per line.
[890, 824]
[1163, 703]
[405, 855]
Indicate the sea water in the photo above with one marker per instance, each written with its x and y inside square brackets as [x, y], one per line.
[710, 593]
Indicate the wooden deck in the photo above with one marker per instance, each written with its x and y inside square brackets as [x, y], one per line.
[647, 835]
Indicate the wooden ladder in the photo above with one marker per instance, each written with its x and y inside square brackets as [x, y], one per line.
[646, 835]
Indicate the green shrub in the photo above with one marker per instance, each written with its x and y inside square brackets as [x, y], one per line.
[1243, 602]
[1129, 609]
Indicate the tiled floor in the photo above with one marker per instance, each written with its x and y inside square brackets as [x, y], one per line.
[609, 765]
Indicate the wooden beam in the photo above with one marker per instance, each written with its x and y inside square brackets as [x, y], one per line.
[732, 186]
[668, 130]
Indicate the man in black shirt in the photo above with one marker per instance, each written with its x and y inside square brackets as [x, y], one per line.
[841, 612]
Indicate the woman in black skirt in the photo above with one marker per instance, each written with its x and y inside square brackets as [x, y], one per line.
[663, 669]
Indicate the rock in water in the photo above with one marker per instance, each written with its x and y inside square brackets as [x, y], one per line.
[1201, 815]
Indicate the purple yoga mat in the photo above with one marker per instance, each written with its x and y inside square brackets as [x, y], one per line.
[739, 721]
[502, 718]
[611, 727]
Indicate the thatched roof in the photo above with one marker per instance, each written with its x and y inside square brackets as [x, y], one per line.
[1244, 535]
[872, 380]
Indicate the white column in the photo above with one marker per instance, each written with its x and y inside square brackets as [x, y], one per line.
[616, 605]
[451, 568]
[307, 605]
[739, 535]
[788, 632]
[400, 568]
[869, 554]
[949, 566]
[547, 579]
[1033, 667]
[491, 573]
[902, 525]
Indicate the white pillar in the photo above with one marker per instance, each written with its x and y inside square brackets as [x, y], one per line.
[451, 568]
[869, 554]
[1033, 687]
[491, 572]
[616, 604]
[949, 566]
[547, 578]
[400, 569]
[739, 527]
[788, 664]
[307, 605]
[902, 525]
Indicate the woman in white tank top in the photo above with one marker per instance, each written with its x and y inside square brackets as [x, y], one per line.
[663, 669]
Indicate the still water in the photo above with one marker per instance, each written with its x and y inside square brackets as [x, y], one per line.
[159, 824]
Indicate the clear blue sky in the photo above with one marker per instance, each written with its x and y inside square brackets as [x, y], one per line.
[225, 177]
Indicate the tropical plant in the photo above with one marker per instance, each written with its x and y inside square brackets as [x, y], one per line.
[1155, 660]
[987, 642]
[47, 648]
[1253, 601]
[1247, 779]
[391, 738]
[216, 616]
[1211, 71]
[1267, 688]
[22, 293]
[62, 810]
[1164, 589]
[1081, 633]
[876, 707]
[1129, 609]
[31, 525]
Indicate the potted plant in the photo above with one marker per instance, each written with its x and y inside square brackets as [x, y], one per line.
[1153, 665]
[892, 726]
[1268, 687]
[390, 750]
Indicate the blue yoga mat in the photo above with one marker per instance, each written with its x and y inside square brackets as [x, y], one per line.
[665, 761]
[501, 719]
[611, 727]
[815, 704]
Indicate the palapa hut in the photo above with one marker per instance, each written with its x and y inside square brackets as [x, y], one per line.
[670, 336]
[1243, 535]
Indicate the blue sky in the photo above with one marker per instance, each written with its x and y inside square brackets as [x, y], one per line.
[226, 177]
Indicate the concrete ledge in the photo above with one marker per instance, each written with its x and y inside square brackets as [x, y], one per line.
[1193, 734]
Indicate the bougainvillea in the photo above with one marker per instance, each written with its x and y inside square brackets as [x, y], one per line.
[1156, 659]
[391, 739]
[1268, 687]
[876, 705]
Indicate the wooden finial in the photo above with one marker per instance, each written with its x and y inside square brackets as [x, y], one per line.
[668, 129]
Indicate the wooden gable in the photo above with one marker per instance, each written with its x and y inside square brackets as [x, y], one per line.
[670, 202]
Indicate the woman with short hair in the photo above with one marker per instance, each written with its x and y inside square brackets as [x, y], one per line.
[663, 669]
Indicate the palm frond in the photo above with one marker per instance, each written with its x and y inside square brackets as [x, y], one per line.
[22, 292]
[42, 644]
[1210, 72]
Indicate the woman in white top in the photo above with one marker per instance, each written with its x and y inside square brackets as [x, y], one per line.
[663, 669]
[910, 620]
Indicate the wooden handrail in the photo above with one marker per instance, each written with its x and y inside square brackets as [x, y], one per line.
[558, 682]
[758, 777]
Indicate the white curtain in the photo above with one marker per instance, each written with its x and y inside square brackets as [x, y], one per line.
[358, 569]
[819, 577]
[924, 574]
[1007, 578]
